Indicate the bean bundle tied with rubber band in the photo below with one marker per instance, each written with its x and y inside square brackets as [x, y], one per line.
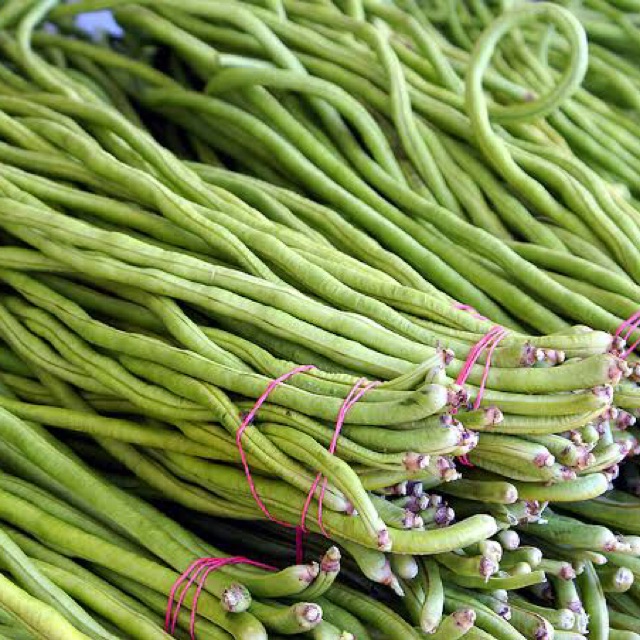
[320, 318]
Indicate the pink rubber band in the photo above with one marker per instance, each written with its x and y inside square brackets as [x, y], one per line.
[490, 340]
[357, 391]
[470, 310]
[204, 566]
[475, 353]
[247, 421]
[194, 608]
[630, 350]
[348, 403]
[169, 621]
[351, 399]
[302, 529]
[631, 322]
[498, 337]
[314, 486]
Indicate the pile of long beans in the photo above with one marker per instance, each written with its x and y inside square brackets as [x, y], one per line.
[319, 317]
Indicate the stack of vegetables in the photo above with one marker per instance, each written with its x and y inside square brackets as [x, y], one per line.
[319, 317]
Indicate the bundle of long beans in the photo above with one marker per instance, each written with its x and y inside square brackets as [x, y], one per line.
[419, 220]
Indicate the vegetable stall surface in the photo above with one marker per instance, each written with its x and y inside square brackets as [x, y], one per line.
[319, 318]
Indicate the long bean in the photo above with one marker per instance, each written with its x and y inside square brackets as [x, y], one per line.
[230, 190]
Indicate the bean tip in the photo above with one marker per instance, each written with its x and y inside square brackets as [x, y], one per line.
[308, 613]
[416, 461]
[384, 540]
[604, 392]
[235, 598]
[464, 618]
[493, 416]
